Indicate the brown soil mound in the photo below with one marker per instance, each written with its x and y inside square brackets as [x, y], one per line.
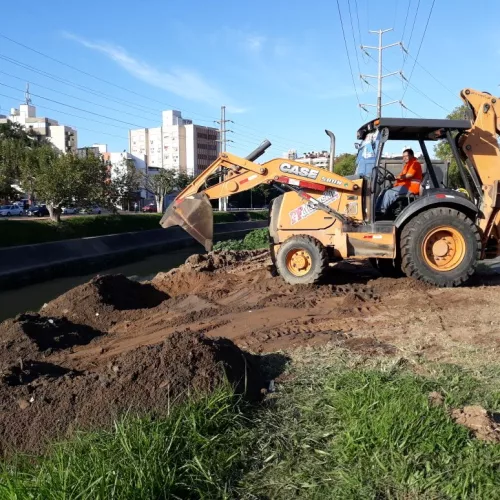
[483, 424]
[31, 336]
[40, 401]
[95, 303]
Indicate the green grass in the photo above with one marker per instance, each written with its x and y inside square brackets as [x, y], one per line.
[191, 454]
[347, 430]
[25, 232]
[369, 433]
[254, 240]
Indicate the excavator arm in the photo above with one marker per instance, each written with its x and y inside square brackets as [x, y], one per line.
[480, 149]
[231, 174]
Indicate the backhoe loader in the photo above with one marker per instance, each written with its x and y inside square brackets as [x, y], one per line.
[436, 236]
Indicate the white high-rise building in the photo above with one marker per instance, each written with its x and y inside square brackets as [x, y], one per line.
[62, 137]
[178, 144]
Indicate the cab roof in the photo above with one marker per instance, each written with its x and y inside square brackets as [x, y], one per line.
[413, 128]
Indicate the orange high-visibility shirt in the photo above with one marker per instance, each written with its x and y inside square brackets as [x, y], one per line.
[414, 170]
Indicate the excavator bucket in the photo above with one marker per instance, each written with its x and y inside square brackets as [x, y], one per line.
[194, 214]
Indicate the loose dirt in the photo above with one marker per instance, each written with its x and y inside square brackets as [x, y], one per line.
[113, 345]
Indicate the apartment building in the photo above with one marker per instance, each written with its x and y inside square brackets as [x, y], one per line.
[62, 137]
[178, 144]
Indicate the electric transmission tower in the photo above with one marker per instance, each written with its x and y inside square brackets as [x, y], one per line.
[379, 77]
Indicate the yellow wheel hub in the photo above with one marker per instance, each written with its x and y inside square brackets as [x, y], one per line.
[443, 248]
[298, 261]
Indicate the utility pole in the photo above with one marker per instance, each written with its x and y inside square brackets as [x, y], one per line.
[223, 144]
[380, 48]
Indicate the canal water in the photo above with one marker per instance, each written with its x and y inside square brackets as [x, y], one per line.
[33, 297]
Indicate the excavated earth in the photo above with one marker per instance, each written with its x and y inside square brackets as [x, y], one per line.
[114, 345]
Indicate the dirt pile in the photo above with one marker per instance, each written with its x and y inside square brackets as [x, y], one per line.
[32, 336]
[99, 302]
[483, 424]
[40, 401]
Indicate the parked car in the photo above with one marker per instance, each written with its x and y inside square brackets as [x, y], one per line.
[7, 210]
[38, 211]
[94, 209]
[69, 210]
[149, 208]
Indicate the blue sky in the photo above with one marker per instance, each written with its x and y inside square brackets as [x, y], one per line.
[280, 67]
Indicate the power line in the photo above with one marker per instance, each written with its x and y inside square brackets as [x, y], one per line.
[90, 74]
[424, 94]
[348, 57]
[413, 25]
[74, 97]
[95, 92]
[430, 74]
[357, 17]
[380, 48]
[354, 39]
[395, 13]
[401, 103]
[406, 20]
[78, 86]
[274, 135]
[74, 107]
[420, 46]
[77, 116]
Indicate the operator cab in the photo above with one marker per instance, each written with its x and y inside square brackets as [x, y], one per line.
[371, 166]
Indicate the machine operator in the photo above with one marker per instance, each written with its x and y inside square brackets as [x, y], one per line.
[408, 181]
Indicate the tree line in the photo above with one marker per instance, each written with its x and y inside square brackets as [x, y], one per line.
[29, 161]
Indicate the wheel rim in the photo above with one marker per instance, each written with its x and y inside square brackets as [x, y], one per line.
[443, 248]
[298, 261]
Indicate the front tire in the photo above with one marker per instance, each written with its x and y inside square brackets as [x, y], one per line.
[440, 246]
[302, 260]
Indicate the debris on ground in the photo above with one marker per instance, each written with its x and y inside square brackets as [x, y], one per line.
[41, 401]
[483, 424]
[113, 344]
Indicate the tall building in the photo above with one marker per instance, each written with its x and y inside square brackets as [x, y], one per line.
[62, 137]
[178, 144]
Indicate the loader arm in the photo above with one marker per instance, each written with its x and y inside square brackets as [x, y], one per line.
[479, 147]
[191, 208]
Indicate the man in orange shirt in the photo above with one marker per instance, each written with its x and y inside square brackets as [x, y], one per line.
[408, 181]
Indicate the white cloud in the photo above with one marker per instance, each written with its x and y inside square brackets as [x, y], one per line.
[255, 43]
[183, 82]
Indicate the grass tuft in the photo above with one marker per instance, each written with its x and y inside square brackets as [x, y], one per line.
[191, 454]
[367, 433]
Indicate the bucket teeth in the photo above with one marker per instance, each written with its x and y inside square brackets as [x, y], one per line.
[194, 214]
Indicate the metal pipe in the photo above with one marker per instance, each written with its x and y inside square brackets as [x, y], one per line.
[331, 135]
[258, 152]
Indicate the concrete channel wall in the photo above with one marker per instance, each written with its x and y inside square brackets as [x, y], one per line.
[27, 264]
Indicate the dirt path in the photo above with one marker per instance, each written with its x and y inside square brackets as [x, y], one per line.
[97, 345]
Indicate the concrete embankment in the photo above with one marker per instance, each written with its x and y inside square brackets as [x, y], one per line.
[27, 264]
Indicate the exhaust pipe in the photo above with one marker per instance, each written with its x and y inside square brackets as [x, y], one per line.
[331, 135]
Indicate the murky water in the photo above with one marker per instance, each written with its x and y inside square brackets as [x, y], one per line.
[32, 297]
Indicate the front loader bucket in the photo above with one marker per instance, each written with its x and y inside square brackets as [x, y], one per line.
[194, 214]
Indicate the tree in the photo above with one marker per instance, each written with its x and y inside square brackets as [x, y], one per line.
[443, 150]
[15, 143]
[160, 184]
[59, 178]
[345, 164]
[183, 180]
[125, 183]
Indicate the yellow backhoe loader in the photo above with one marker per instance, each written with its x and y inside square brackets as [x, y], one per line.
[436, 236]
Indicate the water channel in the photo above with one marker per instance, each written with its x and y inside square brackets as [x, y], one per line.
[32, 297]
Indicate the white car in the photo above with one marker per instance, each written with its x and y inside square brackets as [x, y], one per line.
[69, 210]
[7, 210]
[94, 209]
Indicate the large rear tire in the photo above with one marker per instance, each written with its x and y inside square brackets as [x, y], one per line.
[302, 260]
[440, 246]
